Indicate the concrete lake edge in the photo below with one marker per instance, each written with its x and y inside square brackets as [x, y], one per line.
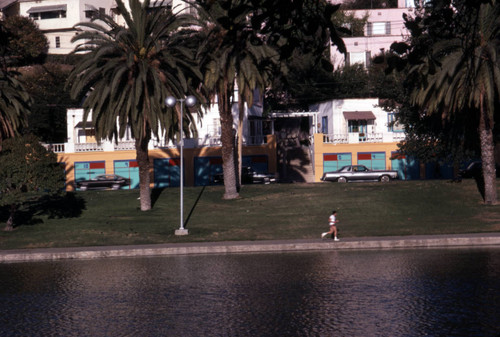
[387, 242]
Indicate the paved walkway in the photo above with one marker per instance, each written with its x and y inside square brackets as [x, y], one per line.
[421, 241]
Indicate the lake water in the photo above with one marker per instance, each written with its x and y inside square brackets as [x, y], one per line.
[424, 292]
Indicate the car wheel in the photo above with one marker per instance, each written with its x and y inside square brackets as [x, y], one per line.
[385, 179]
[115, 187]
[83, 188]
[342, 180]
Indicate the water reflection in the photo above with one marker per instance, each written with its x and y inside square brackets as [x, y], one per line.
[339, 293]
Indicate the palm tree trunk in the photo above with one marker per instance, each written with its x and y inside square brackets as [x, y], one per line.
[227, 139]
[9, 226]
[487, 155]
[241, 116]
[142, 156]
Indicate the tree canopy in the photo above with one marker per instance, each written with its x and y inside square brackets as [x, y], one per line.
[26, 43]
[28, 172]
[452, 64]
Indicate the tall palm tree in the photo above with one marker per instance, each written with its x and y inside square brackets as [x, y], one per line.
[15, 102]
[128, 71]
[462, 75]
[235, 55]
[14, 105]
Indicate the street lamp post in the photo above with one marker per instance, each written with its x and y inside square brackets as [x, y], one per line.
[170, 102]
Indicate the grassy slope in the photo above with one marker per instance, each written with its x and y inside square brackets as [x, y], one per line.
[281, 211]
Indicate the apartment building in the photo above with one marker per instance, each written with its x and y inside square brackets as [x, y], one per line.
[384, 27]
[57, 18]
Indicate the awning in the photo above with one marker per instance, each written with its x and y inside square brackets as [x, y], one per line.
[43, 9]
[90, 8]
[358, 115]
[87, 125]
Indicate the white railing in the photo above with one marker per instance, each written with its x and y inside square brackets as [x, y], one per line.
[88, 147]
[372, 138]
[57, 148]
[125, 145]
[354, 138]
[336, 139]
[398, 136]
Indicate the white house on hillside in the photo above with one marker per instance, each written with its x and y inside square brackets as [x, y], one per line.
[351, 121]
[56, 18]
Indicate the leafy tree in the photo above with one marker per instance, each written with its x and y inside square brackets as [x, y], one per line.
[127, 72]
[46, 85]
[26, 43]
[28, 172]
[453, 69]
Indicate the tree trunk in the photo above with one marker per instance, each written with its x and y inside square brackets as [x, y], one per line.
[241, 116]
[487, 156]
[227, 140]
[9, 226]
[142, 156]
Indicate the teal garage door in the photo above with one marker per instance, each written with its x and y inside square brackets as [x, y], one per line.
[408, 168]
[334, 161]
[89, 170]
[372, 160]
[128, 169]
[167, 172]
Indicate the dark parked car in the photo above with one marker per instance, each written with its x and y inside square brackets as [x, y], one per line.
[249, 176]
[103, 181]
[475, 170]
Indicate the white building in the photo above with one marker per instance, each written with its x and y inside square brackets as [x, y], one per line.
[384, 27]
[81, 135]
[57, 18]
[360, 120]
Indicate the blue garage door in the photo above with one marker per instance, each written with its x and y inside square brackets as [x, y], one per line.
[89, 170]
[167, 172]
[334, 161]
[128, 169]
[408, 168]
[259, 163]
[205, 170]
[372, 160]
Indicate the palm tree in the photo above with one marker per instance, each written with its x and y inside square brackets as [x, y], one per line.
[127, 72]
[462, 75]
[14, 105]
[235, 56]
[15, 102]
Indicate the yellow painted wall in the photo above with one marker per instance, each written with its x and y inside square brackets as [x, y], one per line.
[268, 149]
[320, 148]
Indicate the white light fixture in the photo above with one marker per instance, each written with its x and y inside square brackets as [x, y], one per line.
[170, 102]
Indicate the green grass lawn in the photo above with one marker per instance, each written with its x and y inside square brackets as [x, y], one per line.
[263, 212]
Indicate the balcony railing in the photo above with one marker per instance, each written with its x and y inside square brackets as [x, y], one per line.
[57, 148]
[210, 141]
[355, 137]
[88, 147]
[336, 139]
[125, 145]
